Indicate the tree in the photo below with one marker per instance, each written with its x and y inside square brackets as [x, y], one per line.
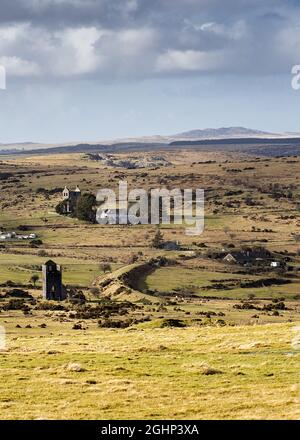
[158, 240]
[133, 258]
[76, 296]
[95, 291]
[35, 242]
[61, 207]
[296, 237]
[34, 279]
[85, 209]
[105, 267]
[226, 229]
[42, 253]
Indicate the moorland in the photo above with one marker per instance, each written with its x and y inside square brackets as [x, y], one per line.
[150, 331]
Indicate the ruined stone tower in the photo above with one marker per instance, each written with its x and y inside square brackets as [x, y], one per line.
[52, 282]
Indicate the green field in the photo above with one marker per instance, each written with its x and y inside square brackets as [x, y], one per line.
[237, 353]
[20, 268]
[147, 372]
[170, 279]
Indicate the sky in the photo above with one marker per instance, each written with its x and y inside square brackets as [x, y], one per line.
[87, 70]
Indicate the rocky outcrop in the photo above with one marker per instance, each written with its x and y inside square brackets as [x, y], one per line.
[124, 283]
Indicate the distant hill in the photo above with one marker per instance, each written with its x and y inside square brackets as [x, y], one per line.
[227, 138]
[224, 133]
[254, 146]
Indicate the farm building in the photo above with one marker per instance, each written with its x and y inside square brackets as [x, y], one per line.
[7, 236]
[249, 257]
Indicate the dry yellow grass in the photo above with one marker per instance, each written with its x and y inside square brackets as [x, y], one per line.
[200, 373]
[230, 372]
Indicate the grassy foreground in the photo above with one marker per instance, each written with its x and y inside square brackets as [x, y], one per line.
[147, 372]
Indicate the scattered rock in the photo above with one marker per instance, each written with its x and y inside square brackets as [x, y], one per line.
[72, 366]
[207, 371]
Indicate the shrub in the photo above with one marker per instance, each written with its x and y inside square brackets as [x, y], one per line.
[76, 296]
[9, 283]
[23, 228]
[35, 242]
[18, 293]
[109, 323]
[275, 306]
[42, 253]
[61, 207]
[34, 279]
[95, 291]
[133, 259]
[171, 322]
[14, 304]
[50, 305]
[85, 209]
[210, 371]
[104, 309]
[158, 240]
[105, 267]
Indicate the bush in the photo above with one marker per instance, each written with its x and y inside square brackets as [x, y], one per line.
[61, 208]
[109, 323]
[76, 296]
[14, 304]
[158, 240]
[18, 293]
[35, 242]
[85, 209]
[50, 305]
[132, 259]
[9, 283]
[95, 291]
[105, 267]
[34, 279]
[275, 306]
[171, 322]
[42, 253]
[23, 228]
[104, 309]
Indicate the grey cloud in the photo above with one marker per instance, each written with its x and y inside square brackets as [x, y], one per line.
[143, 38]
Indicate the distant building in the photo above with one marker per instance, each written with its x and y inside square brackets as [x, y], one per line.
[171, 245]
[249, 257]
[52, 282]
[9, 236]
[70, 199]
